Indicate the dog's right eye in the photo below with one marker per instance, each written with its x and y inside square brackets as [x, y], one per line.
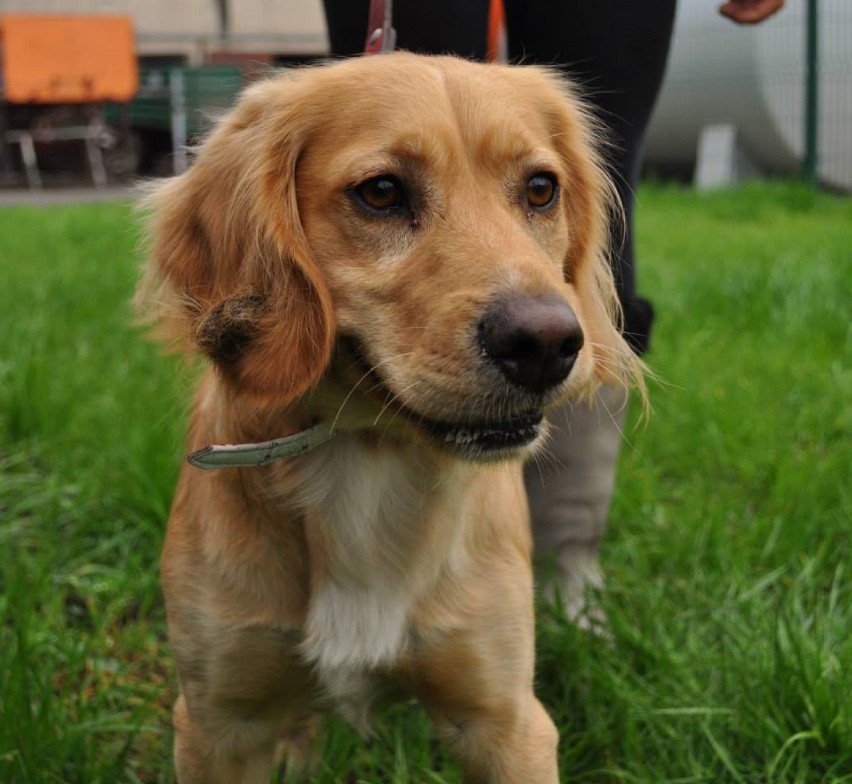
[383, 194]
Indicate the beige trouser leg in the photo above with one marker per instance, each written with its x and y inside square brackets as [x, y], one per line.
[570, 488]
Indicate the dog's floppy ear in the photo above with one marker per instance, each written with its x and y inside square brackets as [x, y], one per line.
[591, 203]
[230, 273]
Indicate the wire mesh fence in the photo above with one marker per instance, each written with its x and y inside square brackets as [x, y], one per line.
[754, 81]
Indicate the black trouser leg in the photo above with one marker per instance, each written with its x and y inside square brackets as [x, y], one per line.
[616, 50]
[433, 27]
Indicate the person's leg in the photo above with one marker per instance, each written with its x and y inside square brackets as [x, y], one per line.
[570, 487]
[346, 22]
[436, 27]
[616, 50]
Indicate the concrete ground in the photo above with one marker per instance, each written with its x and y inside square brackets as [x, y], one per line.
[71, 195]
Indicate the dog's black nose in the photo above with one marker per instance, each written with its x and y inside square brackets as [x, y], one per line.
[534, 341]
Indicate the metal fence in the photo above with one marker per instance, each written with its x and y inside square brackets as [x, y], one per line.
[739, 102]
[182, 102]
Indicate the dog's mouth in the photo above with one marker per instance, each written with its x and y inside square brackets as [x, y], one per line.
[485, 439]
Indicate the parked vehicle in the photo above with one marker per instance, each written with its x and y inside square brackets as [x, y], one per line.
[56, 75]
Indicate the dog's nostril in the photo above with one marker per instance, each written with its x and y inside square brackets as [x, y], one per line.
[570, 347]
[525, 345]
[534, 341]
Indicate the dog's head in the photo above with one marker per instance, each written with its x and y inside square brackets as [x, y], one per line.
[426, 234]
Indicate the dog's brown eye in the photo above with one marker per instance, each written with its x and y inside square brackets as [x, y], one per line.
[541, 190]
[382, 194]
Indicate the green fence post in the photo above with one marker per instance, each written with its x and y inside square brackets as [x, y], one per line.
[811, 162]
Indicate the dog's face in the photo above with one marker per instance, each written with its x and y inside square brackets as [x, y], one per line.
[423, 236]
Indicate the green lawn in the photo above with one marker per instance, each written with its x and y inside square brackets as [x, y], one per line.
[728, 558]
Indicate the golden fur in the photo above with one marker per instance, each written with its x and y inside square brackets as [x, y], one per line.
[385, 558]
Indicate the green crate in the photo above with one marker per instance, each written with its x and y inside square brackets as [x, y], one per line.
[209, 90]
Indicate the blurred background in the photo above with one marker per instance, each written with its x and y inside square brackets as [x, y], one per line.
[96, 92]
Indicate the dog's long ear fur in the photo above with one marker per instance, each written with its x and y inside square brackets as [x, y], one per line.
[592, 204]
[230, 274]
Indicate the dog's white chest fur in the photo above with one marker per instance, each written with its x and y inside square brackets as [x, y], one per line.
[377, 507]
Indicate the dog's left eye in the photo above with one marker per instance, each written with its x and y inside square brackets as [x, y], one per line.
[542, 190]
[381, 194]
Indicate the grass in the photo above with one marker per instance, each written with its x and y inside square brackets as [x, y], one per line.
[728, 557]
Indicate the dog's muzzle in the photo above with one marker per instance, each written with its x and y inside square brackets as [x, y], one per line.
[533, 343]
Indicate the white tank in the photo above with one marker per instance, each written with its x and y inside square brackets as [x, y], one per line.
[754, 78]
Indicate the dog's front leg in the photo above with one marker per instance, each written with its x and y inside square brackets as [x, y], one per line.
[202, 758]
[506, 744]
[476, 683]
[248, 693]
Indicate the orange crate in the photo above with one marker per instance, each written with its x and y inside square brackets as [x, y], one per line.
[67, 59]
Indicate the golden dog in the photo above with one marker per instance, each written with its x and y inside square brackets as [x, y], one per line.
[408, 254]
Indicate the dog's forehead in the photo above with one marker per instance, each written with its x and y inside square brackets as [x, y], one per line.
[409, 106]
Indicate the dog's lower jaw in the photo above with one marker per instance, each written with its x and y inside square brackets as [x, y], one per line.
[484, 445]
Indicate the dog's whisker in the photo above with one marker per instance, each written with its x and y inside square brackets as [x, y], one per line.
[377, 385]
[391, 400]
[614, 419]
[543, 458]
[346, 399]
